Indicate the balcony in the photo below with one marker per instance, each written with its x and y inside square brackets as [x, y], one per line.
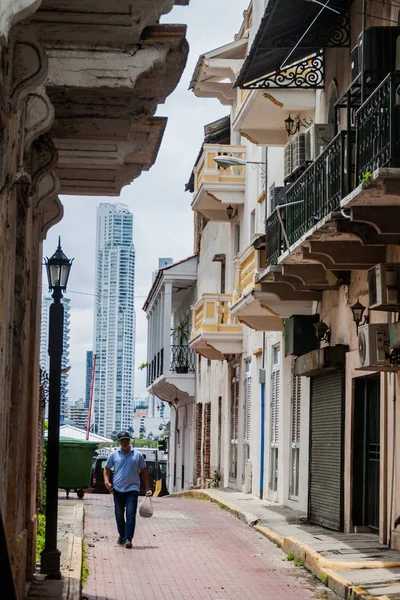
[176, 381]
[261, 116]
[262, 306]
[215, 333]
[171, 363]
[336, 222]
[216, 188]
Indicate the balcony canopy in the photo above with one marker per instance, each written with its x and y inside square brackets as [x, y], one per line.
[302, 28]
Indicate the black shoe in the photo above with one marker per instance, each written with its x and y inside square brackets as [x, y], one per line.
[120, 541]
[128, 544]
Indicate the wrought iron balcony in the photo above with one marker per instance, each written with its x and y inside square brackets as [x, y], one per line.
[378, 128]
[314, 195]
[326, 185]
[183, 359]
[156, 368]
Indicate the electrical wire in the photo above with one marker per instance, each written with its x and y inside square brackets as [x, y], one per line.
[103, 297]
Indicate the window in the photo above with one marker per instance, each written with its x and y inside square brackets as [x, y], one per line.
[295, 444]
[252, 224]
[246, 414]
[275, 411]
[247, 402]
[237, 240]
[234, 421]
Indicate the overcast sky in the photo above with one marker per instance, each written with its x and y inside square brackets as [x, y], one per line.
[163, 220]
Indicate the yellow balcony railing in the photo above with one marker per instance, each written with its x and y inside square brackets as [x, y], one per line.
[211, 315]
[248, 265]
[207, 170]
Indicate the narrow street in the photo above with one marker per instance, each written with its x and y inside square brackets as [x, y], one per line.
[189, 550]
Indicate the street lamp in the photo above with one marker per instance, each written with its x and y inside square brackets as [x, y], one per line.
[225, 161]
[58, 268]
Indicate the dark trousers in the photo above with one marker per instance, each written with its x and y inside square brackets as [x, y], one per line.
[125, 501]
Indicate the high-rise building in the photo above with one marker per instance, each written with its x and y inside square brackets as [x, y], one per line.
[89, 366]
[114, 327]
[77, 413]
[44, 346]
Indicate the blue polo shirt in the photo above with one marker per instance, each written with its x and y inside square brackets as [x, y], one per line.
[126, 469]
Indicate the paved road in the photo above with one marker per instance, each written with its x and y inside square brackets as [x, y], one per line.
[189, 550]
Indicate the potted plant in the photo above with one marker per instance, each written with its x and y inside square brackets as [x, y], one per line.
[181, 339]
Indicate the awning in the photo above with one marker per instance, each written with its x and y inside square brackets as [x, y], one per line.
[283, 26]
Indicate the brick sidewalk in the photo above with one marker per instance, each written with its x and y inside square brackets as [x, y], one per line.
[189, 550]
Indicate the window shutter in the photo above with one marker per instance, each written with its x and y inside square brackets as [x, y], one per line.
[247, 409]
[296, 405]
[275, 408]
[235, 409]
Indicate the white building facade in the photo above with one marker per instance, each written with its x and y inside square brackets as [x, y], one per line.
[44, 347]
[171, 363]
[114, 328]
[251, 412]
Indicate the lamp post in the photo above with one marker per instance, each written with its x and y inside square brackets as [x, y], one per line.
[58, 268]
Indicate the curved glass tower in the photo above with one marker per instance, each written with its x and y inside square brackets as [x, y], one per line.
[114, 328]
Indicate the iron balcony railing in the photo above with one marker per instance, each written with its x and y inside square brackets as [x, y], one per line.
[183, 359]
[328, 179]
[378, 128]
[156, 368]
[314, 195]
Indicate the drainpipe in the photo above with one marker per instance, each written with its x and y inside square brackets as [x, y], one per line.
[262, 443]
[364, 26]
[262, 370]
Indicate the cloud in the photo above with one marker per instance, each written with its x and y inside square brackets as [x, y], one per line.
[163, 220]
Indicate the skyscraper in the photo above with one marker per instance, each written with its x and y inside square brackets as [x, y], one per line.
[114, 328]
[44, 346]
[89, 366]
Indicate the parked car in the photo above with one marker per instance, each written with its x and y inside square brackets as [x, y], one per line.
[99, 463]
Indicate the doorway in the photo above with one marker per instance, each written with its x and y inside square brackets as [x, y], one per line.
[234, 427]
[366, 453]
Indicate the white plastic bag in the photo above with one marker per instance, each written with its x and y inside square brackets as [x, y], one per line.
[146, 507]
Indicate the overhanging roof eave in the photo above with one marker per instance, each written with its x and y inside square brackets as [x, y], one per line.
[282, 29]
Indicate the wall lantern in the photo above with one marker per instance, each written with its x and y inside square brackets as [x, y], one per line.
[292, 126]
[231, 212]
[358, 310]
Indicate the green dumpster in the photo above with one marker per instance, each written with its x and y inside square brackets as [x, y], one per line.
[75, 465]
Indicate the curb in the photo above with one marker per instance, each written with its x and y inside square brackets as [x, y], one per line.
[316, 564]
[72, 587]
[246, 517]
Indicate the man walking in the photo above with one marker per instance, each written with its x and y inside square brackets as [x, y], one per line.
[127, 463]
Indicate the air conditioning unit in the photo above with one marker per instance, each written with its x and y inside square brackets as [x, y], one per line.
[355, 67]
[248, 475]
[318, 136]
[384, 287]
[373, 346]
[287, 160]
[379, 53]
[278, 196]
[299, 150]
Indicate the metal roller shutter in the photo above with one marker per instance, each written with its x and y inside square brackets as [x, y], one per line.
[326, 450]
